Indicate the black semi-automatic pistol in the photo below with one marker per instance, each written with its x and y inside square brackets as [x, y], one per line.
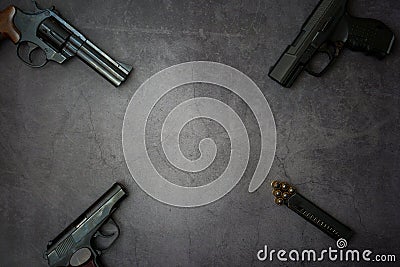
[328, 30]
[81, 243]
[45, 30]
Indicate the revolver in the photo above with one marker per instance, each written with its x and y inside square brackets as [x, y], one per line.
[328, 30]
[44, 36]
[81, 243]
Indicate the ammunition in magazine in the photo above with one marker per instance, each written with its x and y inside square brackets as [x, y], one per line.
[286, 194]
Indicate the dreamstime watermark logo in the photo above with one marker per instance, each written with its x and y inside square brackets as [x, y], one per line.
[152, 90]
[330, 254]
[341, 243]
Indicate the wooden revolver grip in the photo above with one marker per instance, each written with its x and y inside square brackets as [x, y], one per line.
[7, 27]
[89, 263]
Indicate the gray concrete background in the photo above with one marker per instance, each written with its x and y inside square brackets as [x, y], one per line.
[60, 136]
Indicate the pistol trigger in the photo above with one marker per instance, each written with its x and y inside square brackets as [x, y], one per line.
[325, 48]
[332, 50]
[98, 234]
[338, 47]
[31, 47]
[106, 235]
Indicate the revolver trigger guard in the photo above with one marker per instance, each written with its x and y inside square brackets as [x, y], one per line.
[28, 58]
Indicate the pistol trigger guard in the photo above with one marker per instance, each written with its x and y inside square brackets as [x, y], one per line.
[104, 240]
[326, 49]
[333, 51]
[322, 72]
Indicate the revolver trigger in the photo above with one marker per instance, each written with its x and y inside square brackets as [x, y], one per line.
[31, 47]
[106, 235]
[31, 54]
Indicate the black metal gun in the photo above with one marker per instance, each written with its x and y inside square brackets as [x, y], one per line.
[81, 243]
[329, 29]
[44, 30]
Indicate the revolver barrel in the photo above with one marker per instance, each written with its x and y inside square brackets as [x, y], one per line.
[114, 71]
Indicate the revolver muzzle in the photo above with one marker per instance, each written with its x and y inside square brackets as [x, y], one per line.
[114, 71]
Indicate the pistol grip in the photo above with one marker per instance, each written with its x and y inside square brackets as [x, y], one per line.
[370, 36]
[90, 263]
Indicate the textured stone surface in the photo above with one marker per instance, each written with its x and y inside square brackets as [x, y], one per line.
[60, 136]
